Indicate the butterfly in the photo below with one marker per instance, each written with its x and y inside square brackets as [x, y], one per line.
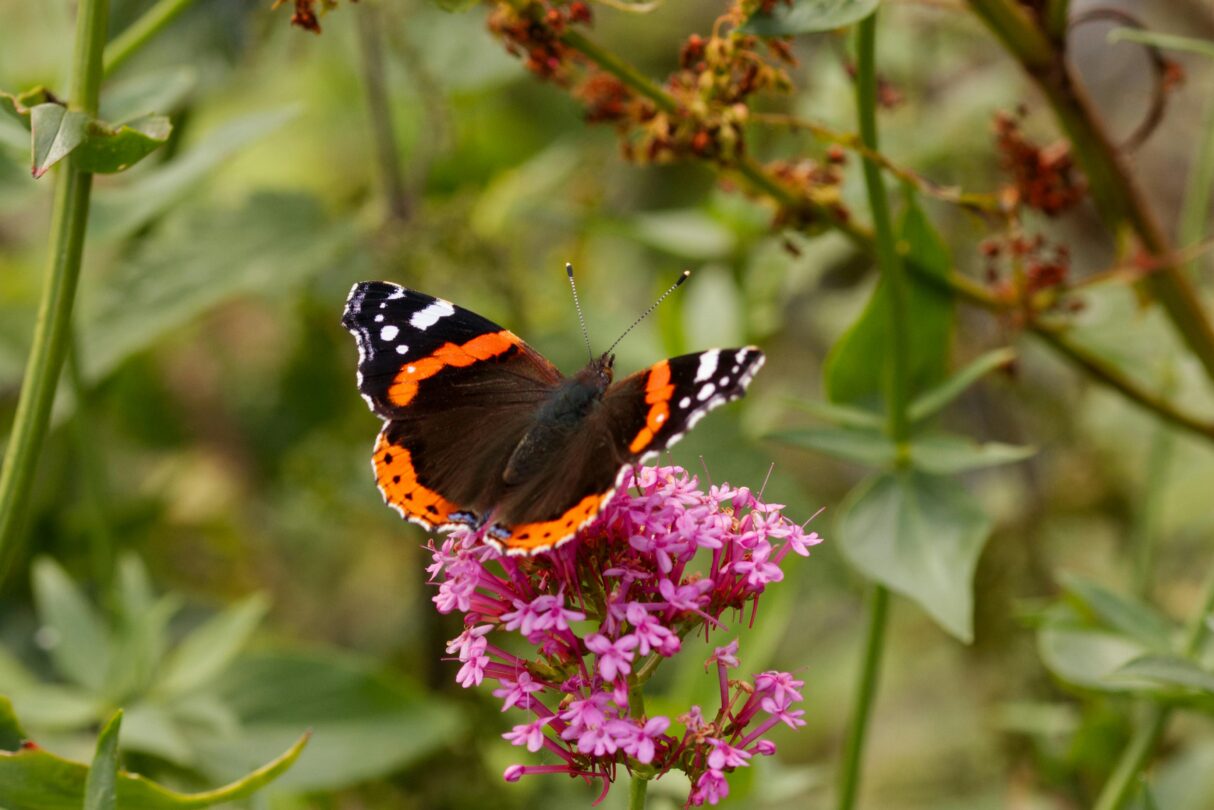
[481, 428]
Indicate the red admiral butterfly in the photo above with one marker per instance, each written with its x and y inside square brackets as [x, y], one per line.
[480, 426]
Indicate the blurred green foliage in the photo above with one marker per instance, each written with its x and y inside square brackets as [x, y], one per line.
[208, 437]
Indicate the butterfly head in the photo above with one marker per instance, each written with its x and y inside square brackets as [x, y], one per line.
[599, 372]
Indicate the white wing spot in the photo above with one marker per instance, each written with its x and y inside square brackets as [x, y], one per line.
[708, 390]
[708, 364]
[379, 318]
[660, 418]
[425, 318]
[684, 402]
[389, 332]
[402, 349]
[411, 369]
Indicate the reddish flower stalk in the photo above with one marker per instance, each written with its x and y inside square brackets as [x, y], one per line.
[665, 559]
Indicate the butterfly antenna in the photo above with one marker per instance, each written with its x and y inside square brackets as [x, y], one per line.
[578, 306]
[686, 275]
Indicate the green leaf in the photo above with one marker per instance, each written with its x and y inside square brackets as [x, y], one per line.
[948, 453]
[1155, 39]
[101, 785]
[807, 16]
[1168, 671]
[119, 212]
[159, 91]
[840, 415]
[141, 634]
[919, 535]
[38, 780]
[272, 242]
[11, 733]
[18, 105]
[57, 132]
[104, 148]
[206, 652]
[934, 399]
[366, 723]
[79, 642]
[858, 364]
[1123, 614]
[49, 706]
[1086, 657]
[868, 447]
[115, 148]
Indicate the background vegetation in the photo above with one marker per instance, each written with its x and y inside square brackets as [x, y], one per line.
[204, 547]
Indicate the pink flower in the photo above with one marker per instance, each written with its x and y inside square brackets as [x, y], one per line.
[561, 632]
[518, 692]
[710, 788]
[529, 734]
[614, 657]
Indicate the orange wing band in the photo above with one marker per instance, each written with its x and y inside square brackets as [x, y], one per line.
[482, 347]
[658, 392]
[530, 538]
[397, 479]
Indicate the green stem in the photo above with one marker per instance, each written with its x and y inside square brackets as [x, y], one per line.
[623, 71]
[892, 272]
[69, 215]
[379, 107]
[1141, 746]
[637, 789]
[853, 754]
[137, 34]
[1114, 189]
[1057, 18]
[89, 463]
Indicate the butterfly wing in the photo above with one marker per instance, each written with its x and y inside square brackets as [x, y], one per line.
[639, 417]
[457, 392]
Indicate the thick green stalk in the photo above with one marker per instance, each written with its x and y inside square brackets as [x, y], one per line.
[137, 34]
[637, 789]
[1114, 189]
[870, 669]
[51, 333]
[897, 392]
[1120, 787]
[893, 275]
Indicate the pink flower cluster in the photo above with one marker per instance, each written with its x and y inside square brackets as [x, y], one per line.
[663, 560]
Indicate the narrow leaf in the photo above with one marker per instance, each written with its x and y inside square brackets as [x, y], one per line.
[1156, 39]
[1086, 657]
[934, 399]
[949, 453]
[79, 643]
[207, 651]
[919, 535]
[807, 16]
[35, 779]
[1124, 614]
[11, 733]
[868, 447]
[1169, 671]
[101, 786]
[56, 132]
[840, 415]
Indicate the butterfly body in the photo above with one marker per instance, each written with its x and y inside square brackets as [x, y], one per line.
[481, 428]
